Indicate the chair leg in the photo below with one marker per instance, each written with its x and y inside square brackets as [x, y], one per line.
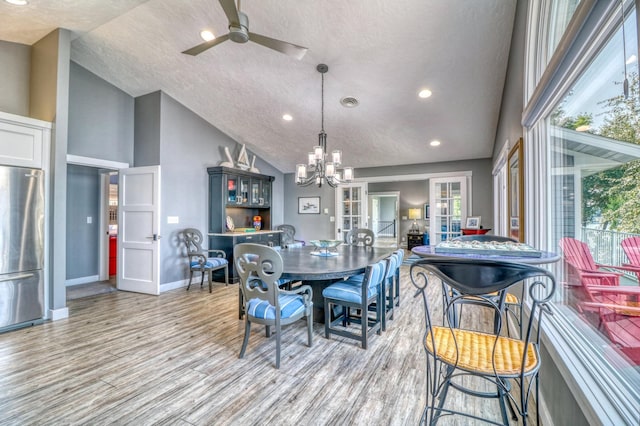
[210, 281]
[327, 318]
[310, 327]
[364, 322]
[201, 277]
[226, 275]
[267, 330]
[278, 333]
[247, 331]
[190, 278]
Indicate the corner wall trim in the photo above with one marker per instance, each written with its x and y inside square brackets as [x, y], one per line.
[58, 314]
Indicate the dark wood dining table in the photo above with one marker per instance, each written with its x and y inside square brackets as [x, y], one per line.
[319, 271]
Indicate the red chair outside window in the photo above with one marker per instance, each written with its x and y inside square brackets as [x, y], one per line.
[631, 247]
[577, 254]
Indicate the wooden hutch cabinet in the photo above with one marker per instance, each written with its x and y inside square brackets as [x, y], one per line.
[240, 195]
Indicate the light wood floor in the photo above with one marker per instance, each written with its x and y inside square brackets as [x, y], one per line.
[126, 358]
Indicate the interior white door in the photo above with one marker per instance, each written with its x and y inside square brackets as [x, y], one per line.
[351, 208]
[139, 230]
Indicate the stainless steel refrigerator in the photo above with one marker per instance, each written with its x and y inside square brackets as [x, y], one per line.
[21, 246]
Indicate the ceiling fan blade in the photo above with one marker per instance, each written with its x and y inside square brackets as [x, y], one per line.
[229, 7]
[206, 45]
[281, 46]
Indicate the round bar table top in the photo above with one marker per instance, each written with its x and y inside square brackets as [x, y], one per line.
[300, 264]
[546, 257]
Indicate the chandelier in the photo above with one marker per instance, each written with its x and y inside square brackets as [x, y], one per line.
[320, 165]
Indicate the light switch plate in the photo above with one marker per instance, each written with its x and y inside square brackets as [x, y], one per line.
[332, 219]
[173, 219]
[89, 219]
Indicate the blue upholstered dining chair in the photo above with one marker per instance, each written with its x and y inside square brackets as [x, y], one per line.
[388, 287]
[259, 268]
[203, 261]
[357, 294]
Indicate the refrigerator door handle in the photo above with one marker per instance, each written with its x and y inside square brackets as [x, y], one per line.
[15, 277]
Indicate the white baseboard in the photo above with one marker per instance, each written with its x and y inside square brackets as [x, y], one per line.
[173, 285]
[58, 314]
[82, 280]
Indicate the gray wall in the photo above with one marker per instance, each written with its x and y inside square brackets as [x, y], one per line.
[100, 118]
[15, 60]
[509, 124]
[83, 193]
[185, 145]
[416, 195]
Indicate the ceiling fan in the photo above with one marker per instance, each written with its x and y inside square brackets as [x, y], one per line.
[239, 32]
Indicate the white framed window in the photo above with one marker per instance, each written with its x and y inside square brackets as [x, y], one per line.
[582, 155]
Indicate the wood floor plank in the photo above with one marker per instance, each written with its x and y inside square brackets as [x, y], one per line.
[126, 358]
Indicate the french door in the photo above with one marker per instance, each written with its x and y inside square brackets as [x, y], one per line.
[351, 208]
[448, 201]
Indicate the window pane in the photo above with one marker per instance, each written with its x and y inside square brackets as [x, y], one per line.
[595, 203]
[561, 13]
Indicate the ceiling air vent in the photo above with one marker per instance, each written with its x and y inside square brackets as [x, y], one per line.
[349, 102]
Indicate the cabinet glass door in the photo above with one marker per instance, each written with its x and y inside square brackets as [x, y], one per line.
[448, 205]
[255, 191]
[232, 190]
[244, 190]
[265, 198]
[351, 208]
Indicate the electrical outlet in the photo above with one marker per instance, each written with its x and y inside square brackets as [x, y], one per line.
[89, 219]
[404, 239]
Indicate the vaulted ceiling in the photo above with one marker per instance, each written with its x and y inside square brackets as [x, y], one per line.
[381, 52]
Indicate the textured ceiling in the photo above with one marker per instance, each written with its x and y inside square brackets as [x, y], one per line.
[378, 51]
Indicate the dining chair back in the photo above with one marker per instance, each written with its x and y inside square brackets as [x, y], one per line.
[203, 261]
[456, 343]
[287, 237]
[360, 237]
[259, 268]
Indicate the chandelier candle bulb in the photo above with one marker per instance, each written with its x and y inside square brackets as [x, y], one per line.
[301, 171]
[330, 170]
[348, 174]
[336, 156]
[319, 155]
[312, 159]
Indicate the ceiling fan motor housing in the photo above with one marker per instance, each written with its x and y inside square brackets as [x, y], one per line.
[240, 34]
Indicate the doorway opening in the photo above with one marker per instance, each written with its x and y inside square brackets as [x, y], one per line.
[384, 214]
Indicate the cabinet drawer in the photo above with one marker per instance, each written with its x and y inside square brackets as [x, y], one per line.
[248, 239]
[271, 239]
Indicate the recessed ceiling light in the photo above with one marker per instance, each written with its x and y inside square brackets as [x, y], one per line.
[17, 2]
[424, 93]
[207, 35]
[287, 117]
[434, 143]
[631, 59]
